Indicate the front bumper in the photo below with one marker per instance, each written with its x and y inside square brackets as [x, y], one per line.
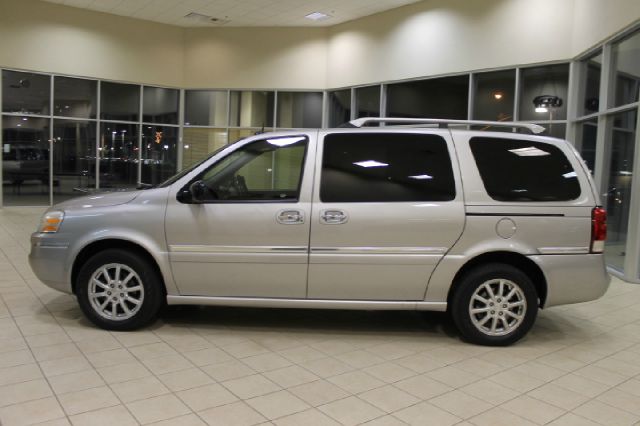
[573, 278]
[48, 259]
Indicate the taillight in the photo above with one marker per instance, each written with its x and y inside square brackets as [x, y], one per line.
[598, 229]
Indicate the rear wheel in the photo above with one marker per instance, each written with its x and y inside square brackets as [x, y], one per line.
[119, 290]
[494, 304]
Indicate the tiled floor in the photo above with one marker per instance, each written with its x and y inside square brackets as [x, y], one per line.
[580, 365]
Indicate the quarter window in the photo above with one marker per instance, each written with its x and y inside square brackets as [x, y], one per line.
[521, 170]
[266, 170]
[386, 167]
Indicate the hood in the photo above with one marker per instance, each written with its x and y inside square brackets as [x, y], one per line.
[99, 199]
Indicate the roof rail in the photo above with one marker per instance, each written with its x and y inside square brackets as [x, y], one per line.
[362, 122]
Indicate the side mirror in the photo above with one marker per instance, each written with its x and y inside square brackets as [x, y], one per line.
[194, 194]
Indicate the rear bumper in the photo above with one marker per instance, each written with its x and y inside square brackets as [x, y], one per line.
[573, 278]
[48, 261]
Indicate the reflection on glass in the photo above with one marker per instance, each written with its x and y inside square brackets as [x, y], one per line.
[74, 158]
[368, 101]
[118, 154]
[25, 93]
[587, 142]
[618, 195]
[494, 92]
[555, 130]
[299, 110]
[199, 143]
[205, 108]
[252, 109]
[160, 105]
[159, 153]
[626, 61]
[119, 101]
[552, 80]
[75, 97]
[25, 161]
[237, 134]
[592, 84]
[435, 98]
[339, 107]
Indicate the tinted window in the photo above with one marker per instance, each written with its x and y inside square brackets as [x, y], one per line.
[370, 167]
[265, 170]
[520, 170]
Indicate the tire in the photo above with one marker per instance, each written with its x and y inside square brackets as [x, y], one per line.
[495, 320]
[125, 297]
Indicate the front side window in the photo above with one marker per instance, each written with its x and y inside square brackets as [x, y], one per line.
[266, 170]
[386, 167]
[520, 170]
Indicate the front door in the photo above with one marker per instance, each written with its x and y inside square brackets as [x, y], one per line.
[388, 208]
[250, 236]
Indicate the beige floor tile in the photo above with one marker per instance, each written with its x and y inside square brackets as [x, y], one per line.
[57, 422]
[571, 419]
[420, 363]
[157, 408]
[423, 386]
[490, 392]
[533, 409]
[460, 404]
[13, 358]
[137, 389]
[123, 372]
[138, 338]
[351, 411]
[104, 343]
[24, 391]
[152, 350]
[302, 354]
[47, 339]
[318, 392]
[228, 370]
[333, 346]
[309, 417]
[622, 400]
[31, 412]
[266, 362]
[605, 414]
[251, 386]
[236, 414]
[63, 350]
[88, 400]
[277, 404]
[453, 376]
[517, 381]
[630, 386]
[581, 385]
[110, 357]
[167, 364]
[117, 415]
[187, 420]
[208, 356]
[356, 382]
[326, 367]
[245, 349]
[73, 382]
[185, 379]
[61, 366]
[389, 372]
[290, 376]
[20, 373]
[208, 396]
[387, 420]
[558, 396]
[425, 412]
[600, 375]
[188, 343]
[389, 398]
[478, 367]
[360, 358]
[499, 417]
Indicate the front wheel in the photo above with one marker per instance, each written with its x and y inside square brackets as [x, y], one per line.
[119, 290]
[494, 305]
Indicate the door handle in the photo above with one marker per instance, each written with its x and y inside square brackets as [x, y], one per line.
[290, 217]
[333, 217]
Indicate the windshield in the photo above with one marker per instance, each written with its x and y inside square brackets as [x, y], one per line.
[188, 170]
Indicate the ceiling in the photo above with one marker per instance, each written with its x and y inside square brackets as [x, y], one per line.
[240, 13]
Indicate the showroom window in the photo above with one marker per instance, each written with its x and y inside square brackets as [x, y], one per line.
[543, 93]
[434, 98]
[299, 110]
[494, 95]
[389, 167]
[368, 101]
[339, 107]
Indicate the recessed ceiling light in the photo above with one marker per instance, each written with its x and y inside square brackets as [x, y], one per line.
[317, 16]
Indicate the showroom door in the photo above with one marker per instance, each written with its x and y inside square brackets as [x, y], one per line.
[250, 235]
[386, 212]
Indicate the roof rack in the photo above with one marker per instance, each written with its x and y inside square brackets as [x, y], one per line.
[362, 122]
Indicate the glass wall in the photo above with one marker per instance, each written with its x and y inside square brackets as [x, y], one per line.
[494, 95]
[368, 101]
[626, 64]
[74, 158]
[339, 107]
[299, 110]
[543, 81]
[434, 98]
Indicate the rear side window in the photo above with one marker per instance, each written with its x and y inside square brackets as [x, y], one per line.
[386, 167]
[520, 170]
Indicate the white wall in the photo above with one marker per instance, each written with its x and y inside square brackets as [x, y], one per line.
[429, 38]
[47, 37]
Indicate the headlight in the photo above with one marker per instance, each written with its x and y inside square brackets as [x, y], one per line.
[51, 222]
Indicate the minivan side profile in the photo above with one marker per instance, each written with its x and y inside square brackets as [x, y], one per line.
[416, 214]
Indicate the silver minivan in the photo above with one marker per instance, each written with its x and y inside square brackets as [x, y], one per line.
[408, 214]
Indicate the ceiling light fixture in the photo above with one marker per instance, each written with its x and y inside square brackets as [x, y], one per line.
[498, 95]
[317, 16]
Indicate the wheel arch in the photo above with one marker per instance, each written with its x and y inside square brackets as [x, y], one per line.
[113, 243]
[522, 262]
